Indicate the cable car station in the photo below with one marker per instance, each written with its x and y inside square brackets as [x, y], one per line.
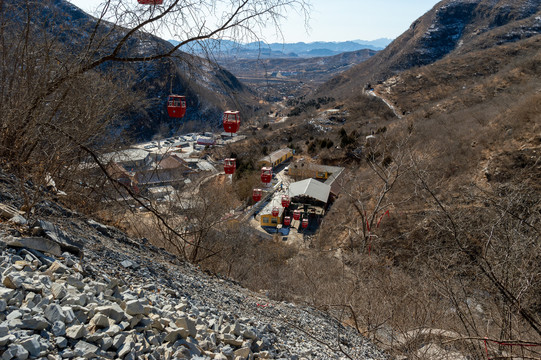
[291, 208]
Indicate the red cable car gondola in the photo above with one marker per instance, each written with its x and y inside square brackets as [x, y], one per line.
[285, 201]
[231, 121]
[296, 215]
[266, 175]
[287, 221]
[257, 194]
[150, 2]
[230, 165]
[275, 211]
[304, 223]
[176, 106]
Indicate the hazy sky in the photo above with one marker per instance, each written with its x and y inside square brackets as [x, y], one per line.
[341, 20]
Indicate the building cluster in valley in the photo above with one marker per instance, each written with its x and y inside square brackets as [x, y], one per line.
[160, 166]
[298, 196]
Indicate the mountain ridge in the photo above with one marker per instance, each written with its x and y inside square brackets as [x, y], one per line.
[451, 26]
[256, 50]
[208, 87]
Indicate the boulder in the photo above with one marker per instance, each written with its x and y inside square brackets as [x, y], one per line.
[105, 343]
[15, 351]
[54, 313]
[54, 233]
[36, 323]
[244, 353]
[13, 281]
[76, 283]
[113, 311]
[32, 345]
[135, 307]
[61, 342]
[187, 324]
[35, 243]
[59, 291]
[57, 268]
[86, 350]
[6, 339]
[6, 293]
[125, 349]
[100, 320]
[58, 328]
[76, 331]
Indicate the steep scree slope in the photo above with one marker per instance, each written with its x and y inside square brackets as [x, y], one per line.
[126, 299]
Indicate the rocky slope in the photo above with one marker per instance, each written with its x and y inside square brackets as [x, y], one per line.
[74, 288]
[452, 26]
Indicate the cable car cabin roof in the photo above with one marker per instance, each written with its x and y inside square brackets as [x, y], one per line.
[267, 210]
[176, 96]
[311, 188]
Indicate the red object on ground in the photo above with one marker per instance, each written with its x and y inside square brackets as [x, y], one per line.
[296, 214]
[304, 223]
[275, 211]
[285, 201]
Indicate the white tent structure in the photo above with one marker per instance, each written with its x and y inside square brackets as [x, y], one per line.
[311, 188]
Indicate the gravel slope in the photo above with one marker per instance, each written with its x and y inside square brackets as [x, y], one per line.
[74, 288]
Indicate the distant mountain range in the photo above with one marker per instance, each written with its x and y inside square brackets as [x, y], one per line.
[258, 50]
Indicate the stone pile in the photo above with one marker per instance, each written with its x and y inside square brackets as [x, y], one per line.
[49, 309]
[72, 288]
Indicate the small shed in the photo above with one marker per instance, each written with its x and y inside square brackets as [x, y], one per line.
[206, 141]
[276, 158]
[265, 215]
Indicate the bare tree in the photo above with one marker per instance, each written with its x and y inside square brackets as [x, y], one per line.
[43, 66]
[368, 193]
[60, 93]
[486, 258]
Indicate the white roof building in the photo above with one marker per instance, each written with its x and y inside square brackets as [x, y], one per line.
[311, 188]
[128, 158]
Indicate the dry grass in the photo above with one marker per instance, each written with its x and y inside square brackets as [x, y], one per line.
[424, 270]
